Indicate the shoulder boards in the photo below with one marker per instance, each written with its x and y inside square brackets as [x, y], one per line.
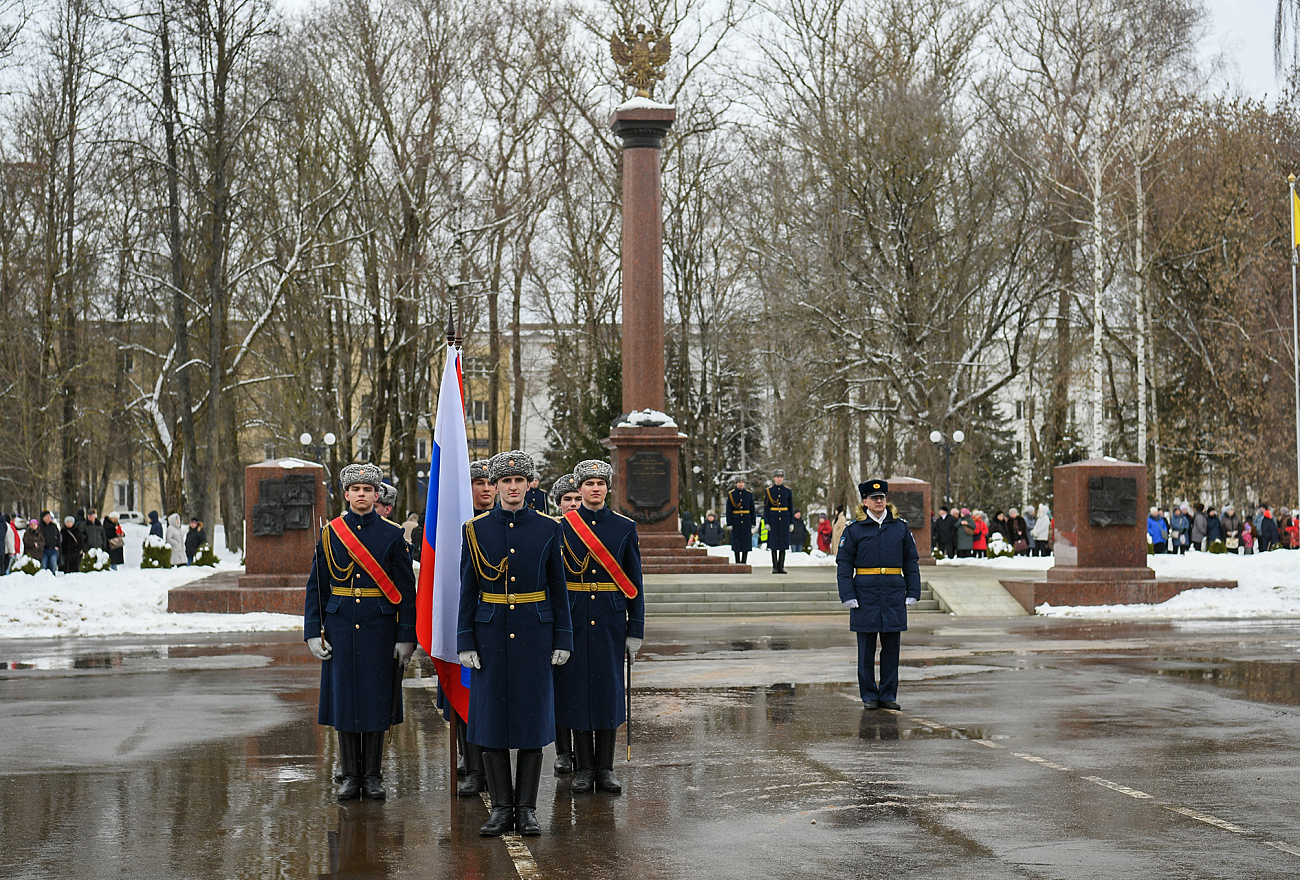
[479, 516]
[621, 516]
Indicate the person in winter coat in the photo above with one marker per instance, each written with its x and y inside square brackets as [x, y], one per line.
[1019, 537]
[1213, 530]
[1179, 524]
[70, 548]
[823, 533]
[1042, 530]
[711, 529]
[7, 543]
[980, 540]
[1157, 530]
[1290, 531]
[1031, 520]
[1268, 531]
[155, 526]
[195, 537]
[175, 536]
[114, 542]
[34, 540]
[92, 531]
[688, 526]
[50, 537]
[1200, 526]
[1230, 523]
[798, 533]
[1000, 525]
[965, 534]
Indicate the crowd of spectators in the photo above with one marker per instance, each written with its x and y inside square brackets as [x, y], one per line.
[1194, 526]
[60, 547]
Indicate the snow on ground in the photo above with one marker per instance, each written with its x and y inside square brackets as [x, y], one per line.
[762, 559]
[127, 601]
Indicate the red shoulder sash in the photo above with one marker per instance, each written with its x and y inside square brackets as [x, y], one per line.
[602, 554]
[366, 560]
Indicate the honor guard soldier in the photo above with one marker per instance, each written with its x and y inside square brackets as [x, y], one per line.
[470, 764]
[740, 516]
[512, 627]
[878, 579]
[603, 560]
[359, 620]
[778, 502]
[565, 497]
[536, 498]
[387, 498]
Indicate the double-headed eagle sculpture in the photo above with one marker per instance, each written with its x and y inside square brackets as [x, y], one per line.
[641, 56]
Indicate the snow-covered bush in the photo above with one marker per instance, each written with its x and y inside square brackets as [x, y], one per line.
[26, 564]
[1217, 547]
[205, 556]
[157, 553]
[94, 559]
[939, 554]
[998, 546]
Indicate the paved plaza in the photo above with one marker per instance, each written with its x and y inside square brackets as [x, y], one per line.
[1024, 748]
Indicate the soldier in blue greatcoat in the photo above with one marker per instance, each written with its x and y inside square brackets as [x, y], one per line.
[565, 497]
[878, 579]
[589, 689]
[778, 507]
[366, 640]
[740, 516]
[513, 624]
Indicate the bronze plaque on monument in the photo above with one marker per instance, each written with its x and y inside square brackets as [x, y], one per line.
[649, 480]
[910, 506]
[1112, 501]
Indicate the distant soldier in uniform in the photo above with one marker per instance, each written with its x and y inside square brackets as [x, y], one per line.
[602, 557]
[536, 498]
[778, 502]
[565, 496]
[878, 579]
[361, 579]
[512, 627]
[387, 499]
[470, 764]
[740, 516]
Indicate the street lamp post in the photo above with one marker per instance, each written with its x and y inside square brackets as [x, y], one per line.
[948, 446]
[318, 449]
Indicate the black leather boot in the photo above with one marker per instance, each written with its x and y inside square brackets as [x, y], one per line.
[528, 774]
[372, 759]
[475, 780]
[462, 748]
[496, 766]
[563, 751]
[605, 780]
[349, 765]
[584, 762]
[780, 562]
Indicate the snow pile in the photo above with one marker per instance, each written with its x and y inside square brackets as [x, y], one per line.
[761, 560]
[647, 418]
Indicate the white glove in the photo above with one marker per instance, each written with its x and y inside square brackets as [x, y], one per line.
[559, 657]
[910, 601]
[633, 645]
[852, 603]
[319, 648]
[403, 652]
[470, 659]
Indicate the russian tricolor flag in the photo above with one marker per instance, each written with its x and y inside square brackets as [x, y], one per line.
[450, 504]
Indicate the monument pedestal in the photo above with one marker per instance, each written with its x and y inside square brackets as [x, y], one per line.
[284, 509]
[1101, 542]
[911, 498]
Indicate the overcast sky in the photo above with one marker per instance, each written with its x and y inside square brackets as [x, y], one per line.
[1241, 31]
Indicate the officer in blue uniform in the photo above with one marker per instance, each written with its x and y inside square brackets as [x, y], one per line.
[589, 690]
[512, 626]
[363, 633]
[536, 497]
[740, 516]
[878, 579]
[565, 497]
[778, 502]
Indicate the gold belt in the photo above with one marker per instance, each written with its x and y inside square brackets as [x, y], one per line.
[878, 571]
[777, 509]
[740, 511]
[359, 592]
[599, 587]
[512, 598]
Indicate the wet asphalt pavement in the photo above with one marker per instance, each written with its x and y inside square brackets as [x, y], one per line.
[1024, 748]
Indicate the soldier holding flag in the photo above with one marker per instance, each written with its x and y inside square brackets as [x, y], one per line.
[603, 560]
[359, 620]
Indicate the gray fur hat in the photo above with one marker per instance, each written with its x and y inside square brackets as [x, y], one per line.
[594, 469]
[510, 464]
[563, 486]
[778, 473]
[478, 470]
[355, 474]
[387, 494]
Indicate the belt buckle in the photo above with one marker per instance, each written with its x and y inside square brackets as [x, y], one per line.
[356, 592]
[510, 597]
[595, 587]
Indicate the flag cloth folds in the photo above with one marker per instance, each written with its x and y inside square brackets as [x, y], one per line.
[449, 505]
[1295, 218]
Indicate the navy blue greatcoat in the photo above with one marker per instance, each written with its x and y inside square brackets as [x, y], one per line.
[778, 507]
[537, 500]
[881, 597]
[589, 691]
[356, 683]
[740, 516]
[512, 698]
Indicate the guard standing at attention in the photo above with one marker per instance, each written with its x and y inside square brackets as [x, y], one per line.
[387, 498]
[778, 502]
[602, 557]
[565, 496]
[740, 516]
[359, 620]
[536, 498]
[878, 579]
[512, 627]
[470, 763]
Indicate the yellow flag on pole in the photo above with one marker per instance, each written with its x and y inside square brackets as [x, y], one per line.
[1295, 218]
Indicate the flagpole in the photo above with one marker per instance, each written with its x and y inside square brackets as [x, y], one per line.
[1295, 331]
